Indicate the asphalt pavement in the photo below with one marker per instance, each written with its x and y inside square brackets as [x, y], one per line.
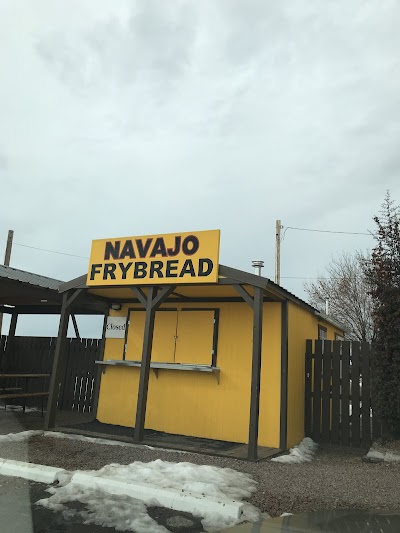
[19, 514]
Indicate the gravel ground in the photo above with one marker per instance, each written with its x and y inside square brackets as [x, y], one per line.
[335, 479]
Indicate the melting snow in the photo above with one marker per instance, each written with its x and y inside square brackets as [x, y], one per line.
[388, 457]
[128, 514]
[19, 437]
[302, 453]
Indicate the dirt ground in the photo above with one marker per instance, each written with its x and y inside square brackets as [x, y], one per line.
[334, 479]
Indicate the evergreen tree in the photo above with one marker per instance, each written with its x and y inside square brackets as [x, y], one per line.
[383, 274]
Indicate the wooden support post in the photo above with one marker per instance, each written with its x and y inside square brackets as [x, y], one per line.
[13, 326]
[7, 257]
[96, 390]
[7, 354]
[75, 327]
[284, 375]
[145, 367]
[244, 294]
[255, 373]
[11, 333]
[154, 300]
[57, 365]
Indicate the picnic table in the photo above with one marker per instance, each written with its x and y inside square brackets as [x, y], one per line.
[12, 393]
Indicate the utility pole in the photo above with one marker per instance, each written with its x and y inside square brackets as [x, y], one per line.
[278, 228]
[7, 257]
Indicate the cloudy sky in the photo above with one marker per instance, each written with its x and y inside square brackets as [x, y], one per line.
[141, 117]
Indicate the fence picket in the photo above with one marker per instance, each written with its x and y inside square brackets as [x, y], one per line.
[2, 350]
[355, 394]
[345, 404]
[316, 432]
[339, 385]
[377, 428]
[326, 391]
[365, 393]
[36, 355]
[308, 388]
[336, 364]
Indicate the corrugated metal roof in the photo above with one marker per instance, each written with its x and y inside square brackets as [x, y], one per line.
[331, 320]
[28, 277]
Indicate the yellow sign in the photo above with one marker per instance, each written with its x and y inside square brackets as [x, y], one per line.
[155, 259]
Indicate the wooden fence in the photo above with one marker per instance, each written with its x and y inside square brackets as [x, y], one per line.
[36, 354]
[338, 393]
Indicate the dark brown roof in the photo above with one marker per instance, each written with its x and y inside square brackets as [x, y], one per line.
[18, 287]
[28, 277]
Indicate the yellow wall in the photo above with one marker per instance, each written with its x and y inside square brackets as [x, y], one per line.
[193, 403]
[302, 326]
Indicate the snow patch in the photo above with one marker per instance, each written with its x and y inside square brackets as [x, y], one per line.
[302, 453]
[119, 512]
[388, 457]
[129, 514]
[21, 436]
[34, 472]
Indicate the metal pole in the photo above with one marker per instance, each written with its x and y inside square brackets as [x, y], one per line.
[257, 265]
[278, 227]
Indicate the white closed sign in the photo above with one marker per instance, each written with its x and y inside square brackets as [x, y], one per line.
[116, 327]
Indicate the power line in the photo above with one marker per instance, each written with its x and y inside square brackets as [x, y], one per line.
[313, 279]
[49, 251]
[328, 231]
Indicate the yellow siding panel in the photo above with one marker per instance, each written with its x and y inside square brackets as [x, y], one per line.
[163, 338]
[195, 337]
[134, 343]
[163, 350]
[194, 403]
[270, 389]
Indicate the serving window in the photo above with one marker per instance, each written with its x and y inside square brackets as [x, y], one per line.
[195, 338]
[186, 336]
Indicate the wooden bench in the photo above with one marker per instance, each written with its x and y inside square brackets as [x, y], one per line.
[13, 393]
[25, 395]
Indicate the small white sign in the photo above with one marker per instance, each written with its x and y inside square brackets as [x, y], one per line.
[116, 327]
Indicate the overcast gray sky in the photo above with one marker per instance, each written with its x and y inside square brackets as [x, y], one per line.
[141, 117]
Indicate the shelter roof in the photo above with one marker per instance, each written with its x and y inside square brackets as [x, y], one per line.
[18, 287]
[29, 293]
[227, 278]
